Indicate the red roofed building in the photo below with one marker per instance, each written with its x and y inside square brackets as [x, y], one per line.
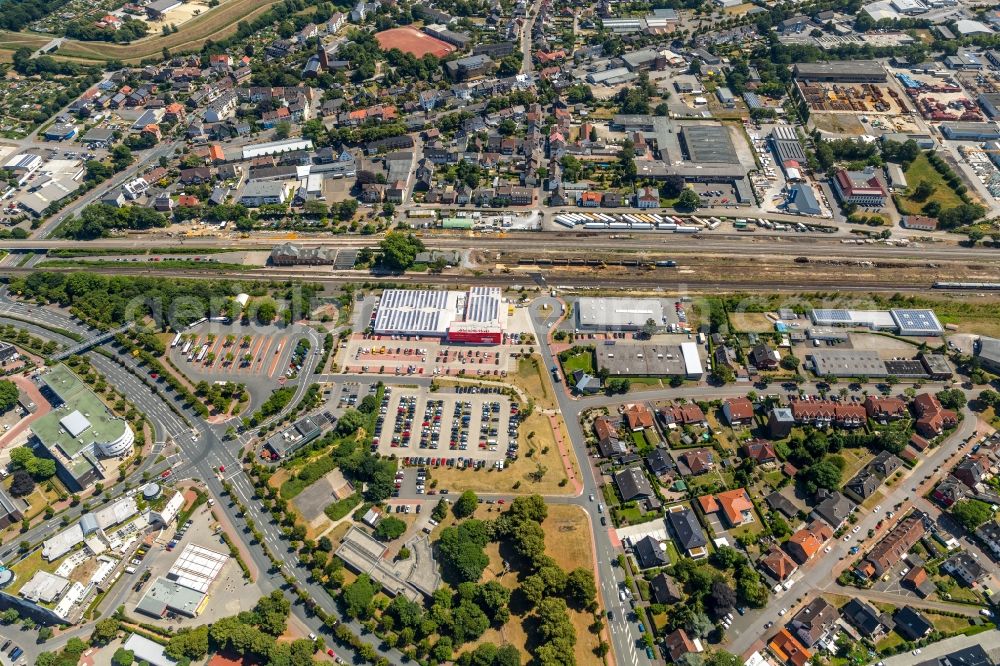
[738, 411]
[760, 450]
[822, 413]
[884, 409]
[215, 153]
[859, 187]
[678, 644]
[735, 506]
[778, 564]
[590, 199]
[808, 541]
[932, 418]
[788, 649]
[638, 416]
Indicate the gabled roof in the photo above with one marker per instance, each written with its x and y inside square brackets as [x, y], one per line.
[910, 624]
[777, 563]
[686, 527]
[633, 484]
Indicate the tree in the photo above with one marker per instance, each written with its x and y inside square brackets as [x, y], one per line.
[271, 613]
[722, 598]
[358, 597]
[21, 484]
[105, 631]
[971, 513]
[282, 130]
[267, 310]
[390, 528]
[440, 510]
[123, 657]
[688, 200]
[824, 474]
[722, 658]
[9, 616]
[8, 395]
[952, 398]
[923, 190]
[188, 643]
[649, 328]
[399, 250]
[44, 634]
[494, 599]
[989, 397]
[461, 550]
[466, 504]
[580, 589]
[790, 362]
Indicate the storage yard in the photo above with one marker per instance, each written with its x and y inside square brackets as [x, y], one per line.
[939, 98]
[851, 97]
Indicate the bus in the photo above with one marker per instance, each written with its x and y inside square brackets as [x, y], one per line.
[177, 338]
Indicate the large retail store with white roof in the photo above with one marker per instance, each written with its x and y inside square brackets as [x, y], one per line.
[476, 316]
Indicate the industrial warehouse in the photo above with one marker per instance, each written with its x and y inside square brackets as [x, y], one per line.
[477, 316]
[650, 360]
[618, 314]
[185, 588]
[922, 323]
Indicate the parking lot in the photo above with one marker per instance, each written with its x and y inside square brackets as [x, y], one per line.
[236, 353]
[389, 356]
[457, 428]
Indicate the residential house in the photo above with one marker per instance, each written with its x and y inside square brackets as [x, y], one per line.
[890, 550]
[949, 491]
[777, 564]
[687, 531]
[780, 422]
[695, 462]
[808, 541]
[734, 505]
[738, 411]
[761, 450]
[665, 589]
[869, 623]
[679, 644]
[633, 484]
[586, 383]
[917, 580]
[782, 505]
[932, 418]
[195, 176]
[815, 621]
[823, 413]
[788, 649]
[832, 507]
[686, 414]
[650, 553]
[989, 537]
[762, 357]
[970, 470]
[638, 416]
[862, 486]
[885, 464]
[964, 568]
[911, 624]
[608, 441]
[884, 410]
[658, 462]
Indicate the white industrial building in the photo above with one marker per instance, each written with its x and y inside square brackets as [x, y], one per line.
[692, 361]
[275, 148]
[620, 314]
[476, 316]
[197, 567]
[917, 322]
[169, 511]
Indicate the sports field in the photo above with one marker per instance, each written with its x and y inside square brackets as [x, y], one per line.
[411, 40]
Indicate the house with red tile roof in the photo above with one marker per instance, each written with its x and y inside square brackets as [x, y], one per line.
[638, 416]
[788, 649]
[738, 411]
[734, 505]
[808, 541]
[932, 417]
[778, 564]
[885, 409]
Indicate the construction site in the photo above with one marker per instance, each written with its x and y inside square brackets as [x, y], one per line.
[939, 98]
[851, 97]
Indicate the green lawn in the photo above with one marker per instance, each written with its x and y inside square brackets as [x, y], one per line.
[921, 170]
[583, 360]
[890, 641]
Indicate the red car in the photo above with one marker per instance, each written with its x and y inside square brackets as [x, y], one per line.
[500, 501]
[222, 468]
[165, 474]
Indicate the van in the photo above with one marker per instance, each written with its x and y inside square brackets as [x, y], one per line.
[600, 508]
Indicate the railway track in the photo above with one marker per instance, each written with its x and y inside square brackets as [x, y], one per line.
[662, 279]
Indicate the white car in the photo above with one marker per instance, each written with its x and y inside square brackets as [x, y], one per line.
[591, 497]
[878, 507]
[857, 529]
[782, 611]
[847, 537]
[828, 549]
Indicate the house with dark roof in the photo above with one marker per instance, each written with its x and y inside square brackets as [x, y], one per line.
[970, 470]
[665, 589]
[782, 504]
[633, 484]
[816, 619]
[949, 491]
[780, 422]
[885, 464]
[910, 624]
[862, 486]
[964, 568]
[832, 507]
[762, 357]
[687, 531]
[989, 535]
[608, 441]
[658, 462]
[869, 623]
[649, 553]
